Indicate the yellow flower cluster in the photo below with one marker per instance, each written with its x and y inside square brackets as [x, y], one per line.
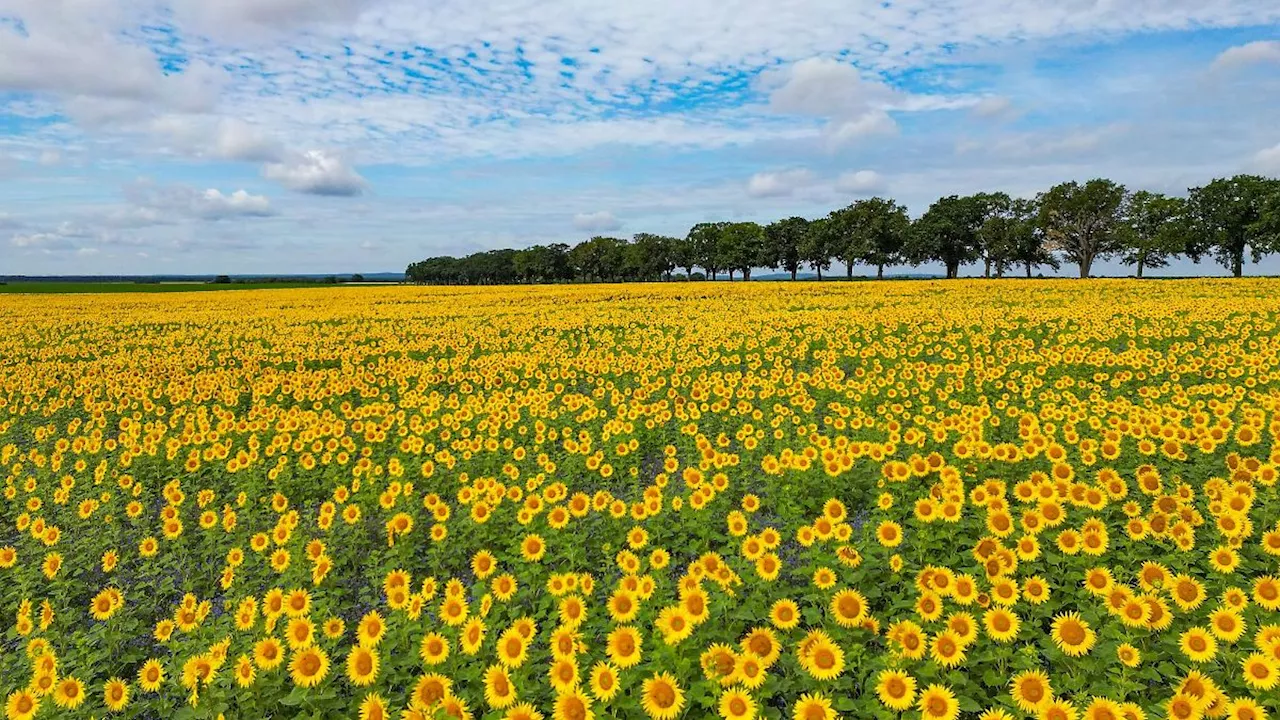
[997, 500]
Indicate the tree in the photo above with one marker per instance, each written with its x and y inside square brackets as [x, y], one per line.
[651, 256]
[1156, 229]
[997, 223]
[782, 243]
[598, 259]
[684, 255]
[815, 246]
[879, 228]
[741, 247]
[357, 278]
[947, 233]
[704, 239]
[1231, 215]
[543, 263]
[1084, 222]
[842, 238]
[1013, 237]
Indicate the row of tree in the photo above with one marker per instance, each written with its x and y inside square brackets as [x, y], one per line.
[1229, 219]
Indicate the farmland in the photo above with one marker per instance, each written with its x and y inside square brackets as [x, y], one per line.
[971, 499]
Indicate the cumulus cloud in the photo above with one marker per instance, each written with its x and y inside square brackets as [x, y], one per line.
[853, 105]
[1268, 160]
[602, 221]
[993, 107]
[1261, 51]
[153, 204]
[779, 184]
[861, 183]
[316, 172]
[238, 140]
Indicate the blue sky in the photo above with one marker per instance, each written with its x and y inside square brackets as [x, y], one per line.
[272, 136]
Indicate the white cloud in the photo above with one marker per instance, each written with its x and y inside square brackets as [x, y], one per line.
[861, 183]
[1268, 160]
[602, 221]
[836, 91]
[1261, 51]
[994, 107]
[159, 205]
[238, 140]
[779, 184]
[316, 172]
[1046, 143]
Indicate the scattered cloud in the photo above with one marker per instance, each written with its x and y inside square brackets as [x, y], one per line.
[153, 204]
[1254, 53]
[994, 107]
[779, 184]
[316, 172]
[1268, 160]
[861, 183]
[601, 221]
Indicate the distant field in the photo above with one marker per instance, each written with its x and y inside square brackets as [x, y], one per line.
[124, 287]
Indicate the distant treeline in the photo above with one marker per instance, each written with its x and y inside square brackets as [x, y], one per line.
[1231, 220]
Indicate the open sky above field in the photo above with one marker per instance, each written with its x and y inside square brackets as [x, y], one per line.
[277, 136]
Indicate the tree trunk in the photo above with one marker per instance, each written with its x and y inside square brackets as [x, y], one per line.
[953, 269]
[793, 273]
[1085, 264]
[880, 271]
[848, 269]
[1028, 270]
[730, 274]
[819, 269]
[746, 274]
[1141, 262]
[986, 267]
[1237, 264]
[713, 274]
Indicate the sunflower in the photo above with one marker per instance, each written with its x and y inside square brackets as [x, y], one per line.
[1227, 625]
[371, 628]
[309, 666]
[947, 649]
[533, 548]
[68, 693]
[938, 702]
[1128, 655]
[499, 692]
[849, 607]
[268, 653]
[523, 711]
[1245, 709]
[1072, 634]
[574, 705]
[373, 707]
[813, 706]
[1183, 707]
[150, 676]
[1001, 624]
[736, 705]
[763, 643]
[245, 673]
[563, 675]
[784, 614]
[1260, 671]
[115, 694]
[1198, 644]
[623, 605]
[824, 660]
[896, 689]
[362, 666]
[674, 624]
[661, 696]
[472, 636]
[300, 633]
[512, 648]
[1031, 690]
[604, 681]
[434, 648]
[889, 533]
[430, 690]
[748, 670]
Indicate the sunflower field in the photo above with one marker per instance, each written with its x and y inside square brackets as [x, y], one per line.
[939, 500]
